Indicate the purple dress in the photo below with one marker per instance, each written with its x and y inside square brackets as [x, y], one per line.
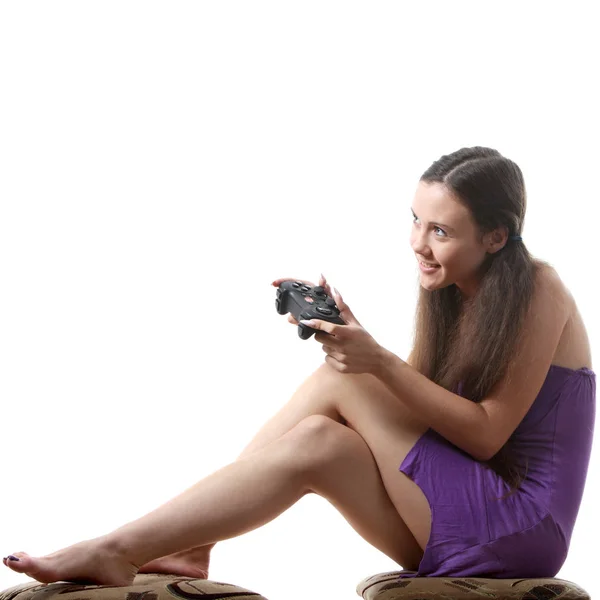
[474, 533]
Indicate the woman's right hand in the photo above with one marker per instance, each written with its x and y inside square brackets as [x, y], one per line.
[322, 282]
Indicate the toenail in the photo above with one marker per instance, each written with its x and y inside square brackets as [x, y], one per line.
[11, 557]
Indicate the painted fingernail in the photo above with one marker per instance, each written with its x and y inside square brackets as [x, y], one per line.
[11, 557]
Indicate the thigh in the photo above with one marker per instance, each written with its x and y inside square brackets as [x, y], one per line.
[390, 430]
[341, 468]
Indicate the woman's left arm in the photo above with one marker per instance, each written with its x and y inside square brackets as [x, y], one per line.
[482, 428]
[462, 422]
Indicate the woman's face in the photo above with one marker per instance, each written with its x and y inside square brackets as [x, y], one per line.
[444, 233]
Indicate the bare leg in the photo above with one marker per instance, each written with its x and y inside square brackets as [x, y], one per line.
[318, 455]
[315, 396]
[362, 403]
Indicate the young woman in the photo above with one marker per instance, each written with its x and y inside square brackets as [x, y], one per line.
[468, 459]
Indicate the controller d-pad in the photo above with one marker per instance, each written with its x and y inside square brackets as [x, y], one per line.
[323, 310]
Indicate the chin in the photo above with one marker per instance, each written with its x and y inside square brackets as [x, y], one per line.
[431, 286]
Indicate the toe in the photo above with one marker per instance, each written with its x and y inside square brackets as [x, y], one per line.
[17, 561]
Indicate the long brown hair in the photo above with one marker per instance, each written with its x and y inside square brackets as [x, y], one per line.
[472, 342]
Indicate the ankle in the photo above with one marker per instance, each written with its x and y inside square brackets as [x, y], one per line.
[196, 552]
[119, 546]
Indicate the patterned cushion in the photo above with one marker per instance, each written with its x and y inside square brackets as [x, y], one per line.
[144, 587]
[387, 586]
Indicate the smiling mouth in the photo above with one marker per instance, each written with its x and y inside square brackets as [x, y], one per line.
[427, 265]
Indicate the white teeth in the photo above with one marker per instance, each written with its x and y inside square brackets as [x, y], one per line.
[428, 265]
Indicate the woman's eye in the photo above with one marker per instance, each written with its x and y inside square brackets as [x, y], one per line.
[445, 234]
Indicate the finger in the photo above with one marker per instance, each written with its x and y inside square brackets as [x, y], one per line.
[323, 283]
[341, 305]
[292, 320]
[336, 364]
[320, 325]
[278, 282]
[339, 300]
[345, 313]
[325, 338]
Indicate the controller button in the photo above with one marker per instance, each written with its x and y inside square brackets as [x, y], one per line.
[323, 310]
[305, 315]
[305, 288]
[297, 284]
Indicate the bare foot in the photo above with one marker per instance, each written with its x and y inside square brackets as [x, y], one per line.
[89, 562]
[188, 563]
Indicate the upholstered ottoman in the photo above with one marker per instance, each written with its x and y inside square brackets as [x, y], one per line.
[387, 586]
[144, 587]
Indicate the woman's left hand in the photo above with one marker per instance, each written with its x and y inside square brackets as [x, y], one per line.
[349, 348]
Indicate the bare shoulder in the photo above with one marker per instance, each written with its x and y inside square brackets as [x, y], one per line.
[550, 287]
[573, 350]
[510, 399]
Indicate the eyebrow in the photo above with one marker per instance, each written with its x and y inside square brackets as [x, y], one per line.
[434, 223]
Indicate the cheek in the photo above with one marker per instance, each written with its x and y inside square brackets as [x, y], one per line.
[452, 262]
[459, 264]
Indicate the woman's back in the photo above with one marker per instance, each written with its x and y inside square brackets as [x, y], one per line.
[573, 349]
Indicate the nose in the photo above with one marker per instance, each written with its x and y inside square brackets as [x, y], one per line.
[418, 243]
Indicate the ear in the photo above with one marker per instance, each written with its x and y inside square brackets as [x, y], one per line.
[496, 240]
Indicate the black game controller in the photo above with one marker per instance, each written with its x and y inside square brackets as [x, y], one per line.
[305, 302]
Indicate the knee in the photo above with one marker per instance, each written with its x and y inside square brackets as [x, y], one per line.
[318, 440]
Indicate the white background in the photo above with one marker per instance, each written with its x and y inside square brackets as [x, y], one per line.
[163, 162]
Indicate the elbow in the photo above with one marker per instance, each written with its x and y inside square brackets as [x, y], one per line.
[487, 449]
[483, 449]
[482, 454]
[486, 444]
